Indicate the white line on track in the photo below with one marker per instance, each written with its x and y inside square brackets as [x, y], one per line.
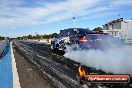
[16, 83]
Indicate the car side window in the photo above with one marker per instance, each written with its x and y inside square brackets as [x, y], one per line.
[65, 34]
[70, 33]
[60, 35]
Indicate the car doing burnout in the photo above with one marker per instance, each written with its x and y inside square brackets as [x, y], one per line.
[77, 38]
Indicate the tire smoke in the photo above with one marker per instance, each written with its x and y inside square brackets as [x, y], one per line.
[117, 60]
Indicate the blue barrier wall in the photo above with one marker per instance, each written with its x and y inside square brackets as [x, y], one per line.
[6, 76]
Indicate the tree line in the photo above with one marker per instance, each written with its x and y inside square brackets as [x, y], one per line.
[98, 29]
[37, 36]
[45, 36]
[2, 38]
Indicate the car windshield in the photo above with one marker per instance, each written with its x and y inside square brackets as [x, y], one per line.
[82, 31]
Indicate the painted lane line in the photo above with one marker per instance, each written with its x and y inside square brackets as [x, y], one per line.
[16, 83]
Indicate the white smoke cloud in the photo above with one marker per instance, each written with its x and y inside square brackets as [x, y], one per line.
[117, 60]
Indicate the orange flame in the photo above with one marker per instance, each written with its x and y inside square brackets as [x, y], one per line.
[81, 71]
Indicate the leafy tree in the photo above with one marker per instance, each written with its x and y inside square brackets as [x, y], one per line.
[98, 29]
[2, 38]
[37, 36]
[54, 35]
[29, 36]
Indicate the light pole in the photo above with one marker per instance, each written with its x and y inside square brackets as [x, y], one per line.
[74, 21]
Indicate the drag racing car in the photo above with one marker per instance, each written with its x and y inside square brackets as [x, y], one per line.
[78, 38]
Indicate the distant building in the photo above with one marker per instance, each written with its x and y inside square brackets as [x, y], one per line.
[119, 28]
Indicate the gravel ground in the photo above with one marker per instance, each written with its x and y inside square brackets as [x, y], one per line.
[30, 76]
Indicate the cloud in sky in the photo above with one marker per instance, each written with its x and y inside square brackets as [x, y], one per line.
[21, 12]
[15, 13]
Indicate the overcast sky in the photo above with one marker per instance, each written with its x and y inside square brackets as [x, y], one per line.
[23, 17]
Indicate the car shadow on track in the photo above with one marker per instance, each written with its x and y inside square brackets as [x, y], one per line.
[60, 52]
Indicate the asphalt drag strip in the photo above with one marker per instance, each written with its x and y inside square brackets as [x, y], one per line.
[59, 74]
[62, 70]
[29, 75]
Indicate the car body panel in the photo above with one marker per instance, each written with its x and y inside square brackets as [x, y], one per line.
[73, 36]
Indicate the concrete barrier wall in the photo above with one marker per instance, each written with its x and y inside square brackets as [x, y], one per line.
[42, 40]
